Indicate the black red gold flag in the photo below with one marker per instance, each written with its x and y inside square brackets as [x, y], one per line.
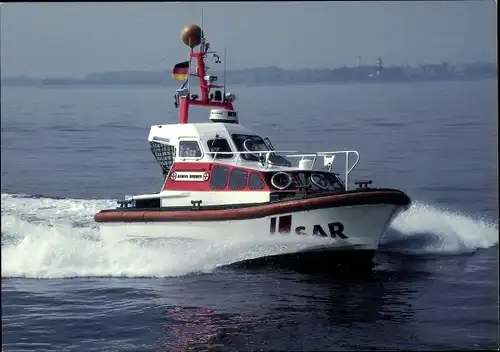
[180, 71]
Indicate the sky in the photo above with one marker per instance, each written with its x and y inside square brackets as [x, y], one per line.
[75, 39]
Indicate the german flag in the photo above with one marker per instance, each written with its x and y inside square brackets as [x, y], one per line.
[181, 71]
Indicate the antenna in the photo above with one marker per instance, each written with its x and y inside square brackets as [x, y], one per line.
[189, 71]
[202, 34]
[224, 84]
[202, 46]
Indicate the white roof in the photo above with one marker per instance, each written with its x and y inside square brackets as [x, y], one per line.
[204, 131]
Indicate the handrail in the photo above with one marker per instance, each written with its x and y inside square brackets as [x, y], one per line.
[259, 152]
[328, 158]
[256, 152]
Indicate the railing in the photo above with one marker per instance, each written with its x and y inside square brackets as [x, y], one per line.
[263, 156]
[328, 159]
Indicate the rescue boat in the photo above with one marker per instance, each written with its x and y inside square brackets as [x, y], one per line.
[220, 179]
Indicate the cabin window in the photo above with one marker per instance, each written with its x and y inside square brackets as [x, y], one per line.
[255, 181]
[218, 179]
[189, 149]
[219, 145]
[250, 143]
[237, 179]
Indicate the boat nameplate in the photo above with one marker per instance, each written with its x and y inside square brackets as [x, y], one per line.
[193, 176]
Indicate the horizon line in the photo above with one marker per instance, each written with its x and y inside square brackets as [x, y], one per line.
[22, 75]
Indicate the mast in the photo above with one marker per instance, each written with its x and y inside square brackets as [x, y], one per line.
[194, 37]
[189, 73]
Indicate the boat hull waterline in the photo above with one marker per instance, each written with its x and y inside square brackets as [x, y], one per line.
[343, 222]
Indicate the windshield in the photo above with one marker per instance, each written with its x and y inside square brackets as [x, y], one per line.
[249, 143]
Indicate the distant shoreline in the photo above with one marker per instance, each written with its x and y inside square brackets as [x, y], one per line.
[268, 84]
[277, 76]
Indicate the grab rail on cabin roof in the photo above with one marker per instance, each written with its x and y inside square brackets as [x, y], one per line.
[267, 153]
[328, 159]
[259, 152]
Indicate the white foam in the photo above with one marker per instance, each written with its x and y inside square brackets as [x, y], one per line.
[57, 238]
[425, 229]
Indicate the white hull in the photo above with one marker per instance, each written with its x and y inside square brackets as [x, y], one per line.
[357, 227]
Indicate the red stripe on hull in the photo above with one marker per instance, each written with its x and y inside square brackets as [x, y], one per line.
[256, 211]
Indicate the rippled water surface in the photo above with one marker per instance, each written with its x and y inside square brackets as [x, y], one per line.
[68, 152]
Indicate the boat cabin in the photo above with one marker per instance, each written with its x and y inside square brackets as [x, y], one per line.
[226, 163]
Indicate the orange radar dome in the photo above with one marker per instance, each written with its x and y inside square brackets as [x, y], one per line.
[191, 35]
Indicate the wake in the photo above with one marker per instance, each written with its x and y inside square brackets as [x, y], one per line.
[57, 238]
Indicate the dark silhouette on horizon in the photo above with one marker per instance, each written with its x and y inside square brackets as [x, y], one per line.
[278, 76]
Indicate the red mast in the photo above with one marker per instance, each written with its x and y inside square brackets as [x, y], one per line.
[192, 36]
